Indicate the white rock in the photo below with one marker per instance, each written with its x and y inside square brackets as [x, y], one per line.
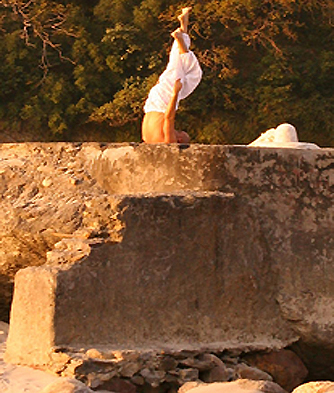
[239, 386]
[314, 387]
[66, 385]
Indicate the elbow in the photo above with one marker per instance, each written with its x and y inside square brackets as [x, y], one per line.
[170, 137]
[170, 140]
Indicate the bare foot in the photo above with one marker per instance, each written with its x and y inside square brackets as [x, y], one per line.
[184, 19]
[186, 10]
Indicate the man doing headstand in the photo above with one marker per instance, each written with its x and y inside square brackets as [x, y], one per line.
[182, 75]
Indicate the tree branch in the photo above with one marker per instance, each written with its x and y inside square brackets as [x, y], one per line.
[41, 22]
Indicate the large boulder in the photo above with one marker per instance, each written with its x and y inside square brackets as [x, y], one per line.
[284, 366]
[315, 387]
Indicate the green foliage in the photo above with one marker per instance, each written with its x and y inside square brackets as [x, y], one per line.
[127, 104]
[74, 66]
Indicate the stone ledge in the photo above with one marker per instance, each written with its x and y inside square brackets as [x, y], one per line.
[190, 272]
[280, 221]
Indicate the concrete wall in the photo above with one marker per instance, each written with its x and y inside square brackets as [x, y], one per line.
[219, 246]
[143, 168]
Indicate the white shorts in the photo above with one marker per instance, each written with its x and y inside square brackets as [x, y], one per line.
[183, 66]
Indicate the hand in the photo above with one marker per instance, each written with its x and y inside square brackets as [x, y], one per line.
[177, 86]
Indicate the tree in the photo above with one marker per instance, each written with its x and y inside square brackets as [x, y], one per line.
[71, 67]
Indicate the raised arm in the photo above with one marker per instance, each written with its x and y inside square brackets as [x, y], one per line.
[169, 121]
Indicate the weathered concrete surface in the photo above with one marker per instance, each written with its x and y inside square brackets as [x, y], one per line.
[182, 277]
[292, 191]
[275, 239]
[161, 168]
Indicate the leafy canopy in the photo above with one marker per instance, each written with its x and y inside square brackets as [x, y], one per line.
[75, 69]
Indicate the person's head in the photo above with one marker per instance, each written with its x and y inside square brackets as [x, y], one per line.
[182, 137]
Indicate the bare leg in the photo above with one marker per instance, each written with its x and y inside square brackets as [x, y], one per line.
[184, 19]
[168, 128]
[178, 37]
[177, 34]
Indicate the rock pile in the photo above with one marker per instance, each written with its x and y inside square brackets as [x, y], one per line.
[160, 372]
